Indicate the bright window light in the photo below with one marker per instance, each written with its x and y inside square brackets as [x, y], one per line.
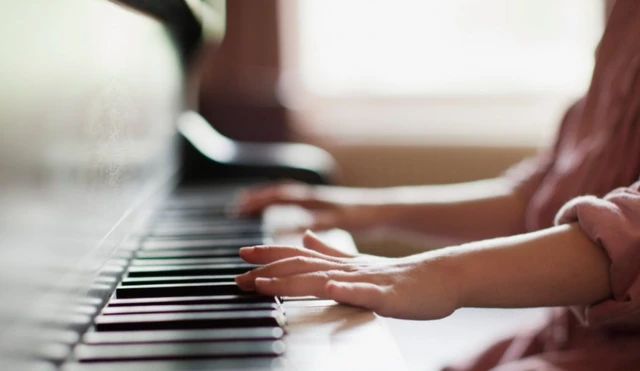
[450, 48]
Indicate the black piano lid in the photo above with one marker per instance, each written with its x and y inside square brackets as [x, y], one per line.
[91, 91]
[91, 94]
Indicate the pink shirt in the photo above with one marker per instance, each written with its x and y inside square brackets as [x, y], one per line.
[590, 177]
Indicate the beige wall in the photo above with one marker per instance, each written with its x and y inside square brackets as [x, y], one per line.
[379, 165]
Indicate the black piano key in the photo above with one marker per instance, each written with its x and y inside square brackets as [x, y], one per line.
[142, 352]
[213, 201]
[195, 254]
[220, 235]
[187, 289]
[213, 229]
[216, 203]
[190, 270]
[183, 336]
[192, 300]
[138, 281]
[209, 243]
[181, 214]
[198, 223]
[196, 205]
[183, 261]
[183, 321]
[188, 308]
[227, 364]
[228, 187]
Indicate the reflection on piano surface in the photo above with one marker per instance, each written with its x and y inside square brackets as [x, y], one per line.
[104, 263]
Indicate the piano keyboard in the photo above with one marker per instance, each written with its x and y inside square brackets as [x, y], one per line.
[175, 305]
[177, 302]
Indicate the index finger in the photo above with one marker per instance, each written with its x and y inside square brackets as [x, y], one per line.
[265, 254]
[313, 283]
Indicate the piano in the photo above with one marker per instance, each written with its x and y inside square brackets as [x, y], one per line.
[116, 250]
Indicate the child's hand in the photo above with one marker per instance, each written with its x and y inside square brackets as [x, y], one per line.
[352, 209]
[411, 288]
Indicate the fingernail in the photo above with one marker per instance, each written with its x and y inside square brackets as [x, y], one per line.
[244, 281]
[263, 280]
[243, 278]
[247, 250]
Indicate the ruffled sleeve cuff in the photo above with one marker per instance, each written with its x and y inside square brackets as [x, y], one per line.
[613, 223]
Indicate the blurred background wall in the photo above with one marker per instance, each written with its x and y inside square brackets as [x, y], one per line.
[403, 91]
[406, 91]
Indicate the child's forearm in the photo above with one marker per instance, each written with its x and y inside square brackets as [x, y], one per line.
[456, 213]
[555, 267]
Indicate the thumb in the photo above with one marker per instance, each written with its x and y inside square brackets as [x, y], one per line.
[311, 241]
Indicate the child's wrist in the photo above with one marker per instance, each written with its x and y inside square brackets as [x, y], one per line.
[446, 263]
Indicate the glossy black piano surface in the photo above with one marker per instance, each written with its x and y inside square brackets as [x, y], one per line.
[109, 258]
[90, 98]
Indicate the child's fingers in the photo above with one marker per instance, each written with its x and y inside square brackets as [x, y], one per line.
[360, 294]
[268, 254]
[301, 284]
[287, 267]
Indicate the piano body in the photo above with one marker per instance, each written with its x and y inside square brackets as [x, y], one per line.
[115, 256]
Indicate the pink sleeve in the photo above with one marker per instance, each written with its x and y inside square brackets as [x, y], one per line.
[527, 175]
[613, 223]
